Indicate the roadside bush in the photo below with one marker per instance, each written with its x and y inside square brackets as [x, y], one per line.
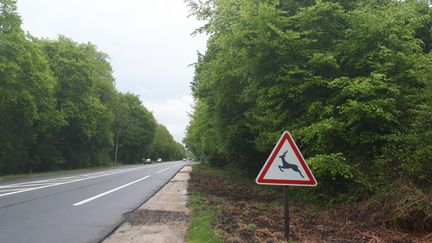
[331, 167]
[338, 180]
[401, 205]
[412, 208]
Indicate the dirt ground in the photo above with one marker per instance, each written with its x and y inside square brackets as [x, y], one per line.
[247, 216]
[161, 219]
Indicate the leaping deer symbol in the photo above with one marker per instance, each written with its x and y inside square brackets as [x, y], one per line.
[286, 165]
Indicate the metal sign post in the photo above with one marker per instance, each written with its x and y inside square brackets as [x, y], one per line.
[286, 213]
[286, 167]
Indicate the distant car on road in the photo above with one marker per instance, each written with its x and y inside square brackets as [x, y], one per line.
[147, 161]
[159, 160]
[184, 159]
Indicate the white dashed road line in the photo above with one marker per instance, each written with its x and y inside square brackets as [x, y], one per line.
[162, 170]
[108, 192]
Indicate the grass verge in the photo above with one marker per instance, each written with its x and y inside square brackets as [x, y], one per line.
[200, 224]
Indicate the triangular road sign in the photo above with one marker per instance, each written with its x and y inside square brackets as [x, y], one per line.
[286, 166]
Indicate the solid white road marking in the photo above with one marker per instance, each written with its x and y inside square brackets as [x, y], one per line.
[108, 192]
[162, 170]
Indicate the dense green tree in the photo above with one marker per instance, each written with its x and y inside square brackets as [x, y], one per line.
[202, 137]
[164, 146]
[27, 103]
[135, 128]
[85, 96]
[350, 80]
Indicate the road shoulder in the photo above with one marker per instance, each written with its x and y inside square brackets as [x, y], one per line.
[163, 218]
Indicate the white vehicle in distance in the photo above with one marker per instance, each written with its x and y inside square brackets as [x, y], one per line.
[159, 160]
[147, 161]
[184, 159]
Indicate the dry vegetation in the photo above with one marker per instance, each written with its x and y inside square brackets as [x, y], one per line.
[247, 214]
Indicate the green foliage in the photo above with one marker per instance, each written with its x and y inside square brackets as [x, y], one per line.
[135, 127]
[332, 166]
[85, 94]
[27, 102]
[201, 137]
[164, 146]
[60, 108]
[351, 80]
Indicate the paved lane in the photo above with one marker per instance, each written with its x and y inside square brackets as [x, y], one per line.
[79, 207]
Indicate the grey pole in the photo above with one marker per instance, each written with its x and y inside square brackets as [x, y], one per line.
[286, 213]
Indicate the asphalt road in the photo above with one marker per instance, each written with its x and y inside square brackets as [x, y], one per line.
[77, 207]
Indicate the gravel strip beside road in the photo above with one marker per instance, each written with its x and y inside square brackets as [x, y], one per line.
[163, 218]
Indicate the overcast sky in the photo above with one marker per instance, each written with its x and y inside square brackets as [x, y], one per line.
[149, 43]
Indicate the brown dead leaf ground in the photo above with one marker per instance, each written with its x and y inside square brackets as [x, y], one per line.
[245, 215]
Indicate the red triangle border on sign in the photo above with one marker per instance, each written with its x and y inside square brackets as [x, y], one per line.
[286, 136]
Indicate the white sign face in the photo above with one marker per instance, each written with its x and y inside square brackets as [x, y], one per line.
[286, 166]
